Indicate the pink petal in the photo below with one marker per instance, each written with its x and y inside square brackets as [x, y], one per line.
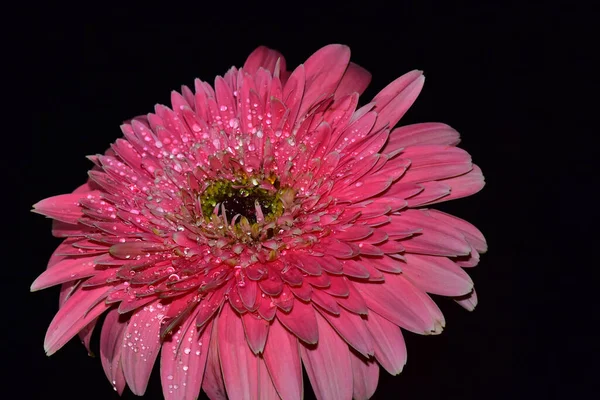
[354, 302]
[422, 134]
[294, 277]
[355, 269]
[256, 330]
[66, 290]
[432, 192]
[282, 358]
[371, 145]
[433, 162]
[209, 306]
[236, 302]
[265, 58]
[273, 285]
[265, 383]
[324, 70]
[301, 322]
[325, 301]
[303, 292]
[471, 233]
[355, 79]
[82, 307]
[64, 207]
[351, 327]
[64, 247]
[188, 95]
[337, 286]
[66, 270]
[362, 190]
[183, 360]
[338, 115]
[385, 264]
[365, 375]
[266, 307]
[335, 248]
[331, 265]
[238, 363]
[305, 262]
[354, 232]
[285, 301]
[468, 301]
[437, 275]
[85, 335]
[404, 190]
[141, 344]
[464, 185]
[391, 247]
[374, 274]
[399, 302]
[390, 349]
[328, 364]
[322, 281]
[213, 383]
[468, 261]
[357, 138]
[111, 343]
[436, 238]
[247, 293]
[396, 98]
[293, 92]
[367, 249]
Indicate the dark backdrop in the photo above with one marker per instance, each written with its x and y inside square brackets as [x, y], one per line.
[503, 75]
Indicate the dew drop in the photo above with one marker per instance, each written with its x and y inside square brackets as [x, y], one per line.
[234, 123]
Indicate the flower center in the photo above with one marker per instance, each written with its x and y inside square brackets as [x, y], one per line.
[240, 198]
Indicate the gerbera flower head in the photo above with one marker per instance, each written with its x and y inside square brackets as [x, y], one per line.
[262, 224]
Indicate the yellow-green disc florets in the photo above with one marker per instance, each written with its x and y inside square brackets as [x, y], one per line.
[242, 197]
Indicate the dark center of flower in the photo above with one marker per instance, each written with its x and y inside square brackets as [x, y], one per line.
[239, 198]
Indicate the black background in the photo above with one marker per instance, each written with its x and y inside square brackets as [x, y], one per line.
[510, 78]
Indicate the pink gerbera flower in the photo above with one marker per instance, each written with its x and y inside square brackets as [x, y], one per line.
[262, 225]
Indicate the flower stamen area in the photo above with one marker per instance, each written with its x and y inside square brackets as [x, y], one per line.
[239, 198]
